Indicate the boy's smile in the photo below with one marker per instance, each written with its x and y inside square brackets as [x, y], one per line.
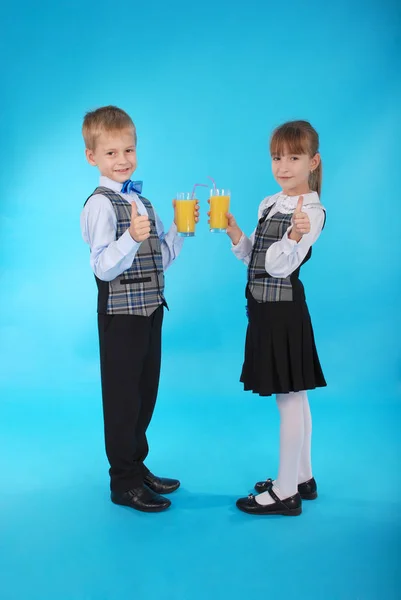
[114, 154]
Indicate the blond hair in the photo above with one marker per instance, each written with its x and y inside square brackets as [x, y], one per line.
[106, 118]
[298, 137]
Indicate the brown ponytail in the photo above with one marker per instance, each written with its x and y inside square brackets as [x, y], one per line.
[315, 179]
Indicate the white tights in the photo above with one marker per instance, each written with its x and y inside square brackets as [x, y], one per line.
[295, 446]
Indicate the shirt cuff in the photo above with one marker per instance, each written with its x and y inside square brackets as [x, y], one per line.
[288, 246]
[242, 248]
[172, 239]
[173, 229]
[126, 244]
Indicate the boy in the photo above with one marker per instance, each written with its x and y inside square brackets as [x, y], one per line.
[129, 253]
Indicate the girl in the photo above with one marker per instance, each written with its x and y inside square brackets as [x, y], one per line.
[280, 352]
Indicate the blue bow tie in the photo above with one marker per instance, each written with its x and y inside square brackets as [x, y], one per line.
[131, 186]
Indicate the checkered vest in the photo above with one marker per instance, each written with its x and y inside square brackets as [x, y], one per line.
[264, 287]
[140, 289]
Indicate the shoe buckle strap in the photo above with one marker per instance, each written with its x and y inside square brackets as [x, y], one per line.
[277, 499]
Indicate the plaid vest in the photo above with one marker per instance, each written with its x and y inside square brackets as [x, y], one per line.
[264, 287]
[140, 289]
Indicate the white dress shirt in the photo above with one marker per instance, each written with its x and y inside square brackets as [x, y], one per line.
[110, 257]
[285, 256]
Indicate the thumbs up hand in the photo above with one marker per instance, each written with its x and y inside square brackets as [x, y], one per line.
[140, 225]
[300, 222]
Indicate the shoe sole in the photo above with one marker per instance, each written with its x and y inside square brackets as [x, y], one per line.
[147, 510]
[311, 496]
[285, 513]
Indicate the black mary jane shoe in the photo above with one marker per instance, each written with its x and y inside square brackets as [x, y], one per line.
[307, 490]
[141, 498]
[290, 507]
[161, 485]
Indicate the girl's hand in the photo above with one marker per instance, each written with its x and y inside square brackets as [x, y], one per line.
[300, 222]
[233, 231]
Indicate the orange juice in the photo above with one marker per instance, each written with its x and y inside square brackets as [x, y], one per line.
[185, 214]
[219, 206]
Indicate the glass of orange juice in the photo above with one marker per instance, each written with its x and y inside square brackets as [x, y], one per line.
[219, 207]
[185, 214]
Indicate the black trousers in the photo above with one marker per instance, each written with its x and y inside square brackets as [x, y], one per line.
[130, 356]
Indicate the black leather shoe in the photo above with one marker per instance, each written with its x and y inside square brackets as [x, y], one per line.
[161, 485]
[290, 507]
[307, 490]
[141, 498]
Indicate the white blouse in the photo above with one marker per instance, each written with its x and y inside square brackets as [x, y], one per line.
[284, 256]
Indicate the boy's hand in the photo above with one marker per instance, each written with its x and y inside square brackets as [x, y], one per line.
[300, 222]
[140, 225]
[196, 211]
[233, 231]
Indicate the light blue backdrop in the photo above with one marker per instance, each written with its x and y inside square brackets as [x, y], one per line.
[205, 84]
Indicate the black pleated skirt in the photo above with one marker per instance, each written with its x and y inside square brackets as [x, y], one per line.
[280, 350]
